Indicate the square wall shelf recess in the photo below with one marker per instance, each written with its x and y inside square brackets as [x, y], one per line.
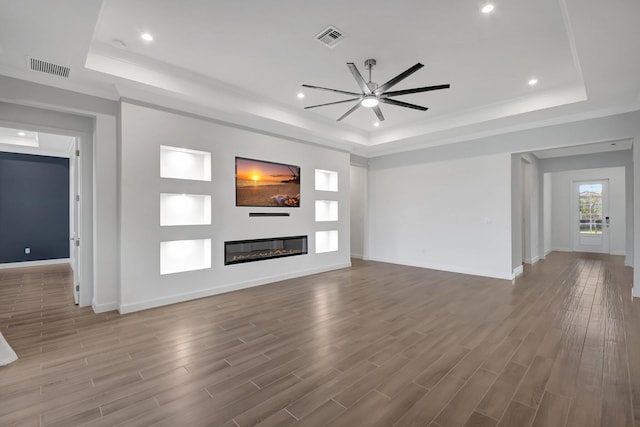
[177, 256]
[326, 210]
[326, 180]
[326, 241]
[185, 209]
[182, 163]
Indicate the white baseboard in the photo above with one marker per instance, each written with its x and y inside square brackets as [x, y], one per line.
[635, 291]
[531, 260]
[357, 256]
[618, 253]
[158, 302]
[517, 272]
[563, 249]
[547, 252]
[35, 263]
[450, 268]
[101, 308]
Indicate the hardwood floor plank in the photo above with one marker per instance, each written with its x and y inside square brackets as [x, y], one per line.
[435, 372]
[497, 399]
[552, 412]
[460, 408]
[365, 412]
[479, 420]
[321, 415]
[517, 414]
[318, 397]
[533, 385]
[357, 390]
[375, 344]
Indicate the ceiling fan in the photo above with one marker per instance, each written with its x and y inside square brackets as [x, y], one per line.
[372, 94]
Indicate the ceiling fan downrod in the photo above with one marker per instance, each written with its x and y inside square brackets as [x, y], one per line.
[369, 64]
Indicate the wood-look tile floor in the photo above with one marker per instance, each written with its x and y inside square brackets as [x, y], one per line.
[374, 345]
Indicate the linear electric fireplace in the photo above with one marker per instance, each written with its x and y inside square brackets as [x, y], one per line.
[260, 249]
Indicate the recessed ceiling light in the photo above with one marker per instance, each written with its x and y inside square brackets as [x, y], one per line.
[300, 95]
[533, 82]
[487, 8]
[21, 134]
[146, 37]
[376, 124]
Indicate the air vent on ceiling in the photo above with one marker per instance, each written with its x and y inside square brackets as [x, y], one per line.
[48, 67]
[330, 36]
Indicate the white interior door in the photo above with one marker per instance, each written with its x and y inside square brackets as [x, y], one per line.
[590, 216]
[74, 251]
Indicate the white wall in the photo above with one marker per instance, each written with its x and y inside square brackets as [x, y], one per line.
[516, 213]
[358, 203]
[547, 212]
[106, 276]
[452, 215]
[144, 129]
[561, 207]
[533, 204]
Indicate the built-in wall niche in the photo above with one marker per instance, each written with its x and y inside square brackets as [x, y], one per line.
[185, 209]
[326, 210]
[326, 180]
[177, 256]
[326, 241]
[182, 163]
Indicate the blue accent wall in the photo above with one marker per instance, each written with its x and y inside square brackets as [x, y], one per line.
[34, 207]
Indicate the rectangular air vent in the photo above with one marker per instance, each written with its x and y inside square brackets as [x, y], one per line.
[48, 67]
[330, 36]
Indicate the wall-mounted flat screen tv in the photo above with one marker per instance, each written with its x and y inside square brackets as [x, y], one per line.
[267, 184]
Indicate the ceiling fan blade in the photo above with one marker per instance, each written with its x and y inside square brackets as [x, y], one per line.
[397, 79]
[333, 90]
[378, 112]
[402, 104]
[354, 108]
[331, 103]
[414, 90]
[361, 81]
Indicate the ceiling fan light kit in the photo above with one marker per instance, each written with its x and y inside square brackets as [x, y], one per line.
[369, 101]
[372, 95]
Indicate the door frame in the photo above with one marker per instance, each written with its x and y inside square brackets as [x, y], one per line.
[84, 140]
[75, 215]
[575, 216]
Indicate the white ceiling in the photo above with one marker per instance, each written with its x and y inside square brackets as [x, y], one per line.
[37, 143]
[598, 147]
[245, 61]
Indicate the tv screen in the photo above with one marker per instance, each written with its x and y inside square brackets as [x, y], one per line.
[267, 184]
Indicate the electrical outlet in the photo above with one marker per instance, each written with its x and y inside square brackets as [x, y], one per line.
[27, 250]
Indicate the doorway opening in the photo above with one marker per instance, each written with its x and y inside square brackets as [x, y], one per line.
[591, 216]
[42, 214]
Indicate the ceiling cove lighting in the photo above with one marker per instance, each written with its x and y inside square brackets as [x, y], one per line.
[300, 95]
[488, 8]
[369, 101]
[533, 82]
[146, 37]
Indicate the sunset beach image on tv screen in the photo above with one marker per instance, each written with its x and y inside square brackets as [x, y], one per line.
[262, 183]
